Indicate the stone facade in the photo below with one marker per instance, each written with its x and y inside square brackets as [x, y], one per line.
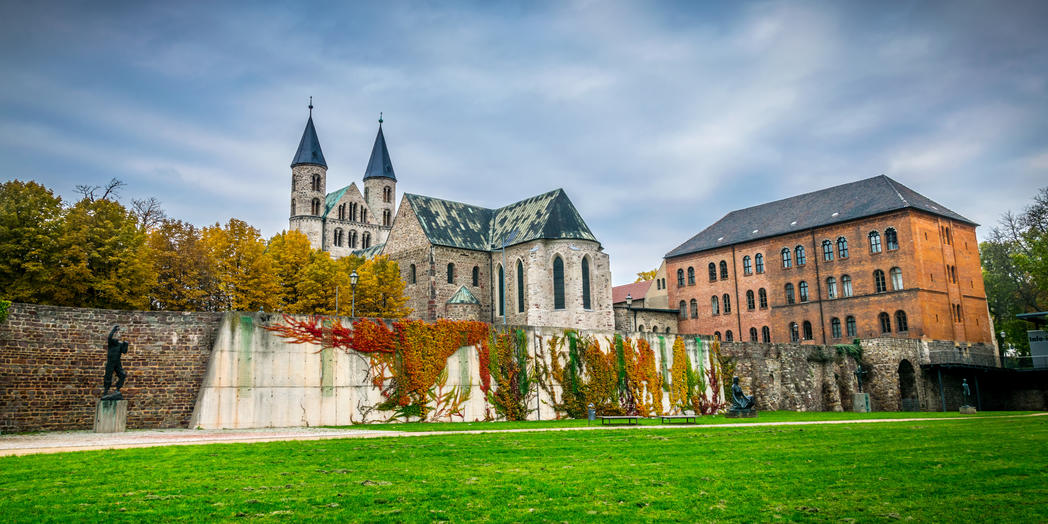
[645, 320]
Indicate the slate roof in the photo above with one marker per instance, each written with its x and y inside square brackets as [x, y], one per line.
[463, 296]
[380, 165]
[370, 252]
[636, 291]
[309, 147]
[842, 203]
[454, 224]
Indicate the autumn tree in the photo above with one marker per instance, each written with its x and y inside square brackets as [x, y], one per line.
[245, 278]
[646, 275]
[291, 254]
[186, 276]
[30, 225]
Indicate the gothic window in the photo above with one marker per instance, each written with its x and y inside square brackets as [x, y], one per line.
[875, 242]
[900, 321]
[502, 291]
[758, 263]
[558, 282]
[849, 326]
[585, 283]
[807, 330]
[451, 273]
[886, 322]
[801, 258]
[292, 207]
[713, 271]
[476, 276]
[878, 281]
[896, 275]
[835, 327]
[831, 288]
[412, 278]
[789, 294]
[727, 303]
[891, 239]
[520, 286]
[386, 217]
[802, 290]
[795, 332]
[728, 337]
[747, 266]
[846, 288]
[683, 310]
[694, 308]
[766, 335]
[680, 278]
[750, 303]
[724, 270]
[827, 250]
[691, 276]
[762, 295]
[315, 207]
[753, 334]
[786, 263]
[714, 305]
[842, 247]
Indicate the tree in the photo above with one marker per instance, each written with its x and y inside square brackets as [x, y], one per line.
[186, 276]
[647, 275]
[30, 225]
[245, 276]
[291, 254]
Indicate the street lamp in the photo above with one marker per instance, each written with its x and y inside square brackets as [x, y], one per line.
[353, 277]
[629, 307]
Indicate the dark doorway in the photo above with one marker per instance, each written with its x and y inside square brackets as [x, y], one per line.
[908, 387]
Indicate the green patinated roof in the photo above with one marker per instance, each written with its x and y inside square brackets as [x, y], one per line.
[370, 252]
[454, 224]
[463, 296]
[332, 198]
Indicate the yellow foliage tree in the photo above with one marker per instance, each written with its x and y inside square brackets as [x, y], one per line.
[291, 254]
[246, 278]
[185, 276]
[646, 275]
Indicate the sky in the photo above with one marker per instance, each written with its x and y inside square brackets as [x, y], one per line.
[657, 118]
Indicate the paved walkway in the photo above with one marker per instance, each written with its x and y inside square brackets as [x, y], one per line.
[60, 441]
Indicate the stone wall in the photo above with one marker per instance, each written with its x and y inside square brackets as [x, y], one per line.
[52, 360]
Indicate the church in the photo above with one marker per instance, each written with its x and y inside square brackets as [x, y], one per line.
[532, 262]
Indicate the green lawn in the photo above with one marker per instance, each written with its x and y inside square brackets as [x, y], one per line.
[978, 468]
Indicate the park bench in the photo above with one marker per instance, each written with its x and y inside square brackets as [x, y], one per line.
[619, 419]
[686, 419]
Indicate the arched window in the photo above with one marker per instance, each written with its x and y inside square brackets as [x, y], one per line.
[875, 242]
[891, 239]
[896, 275]
[827, 250]
[640, 328]
[694, 308]
[726, 303]
[886, 322]
[724, 270]
[766, 335]
[714, 305]
[558, 282]
[355, 239]
[802, 290]
[807, 330]
[878, 281]
[683, 310]
[786, 262]
[758, 263]
[387, 194]
[502, 290]
[763, 296]
[353, 211]
[750, 303]
[831, 288]
[366, 196]
[789, 294]
[795, 332]
[387, 217]
[341, 211]
[476, 276]
[842, 247]
[713, 271]
[337, 240]
[412, 277]
[680, 278]
[717, 335]
[315, 207]
[900, 321]
[849, 326]
[691, 276]
[728, 336]
[292, 207]
[366, 242]
[801, 257]
[846, 288]
[667, 330]
[451, 273]
[293, 184]
[585, 283]
[520, 286]
[747, 265]
[316, 182]
[364, 214]
[835, 327]
[753, 334]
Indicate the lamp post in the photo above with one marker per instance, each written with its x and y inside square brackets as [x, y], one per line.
[353, 285]
[629, 308]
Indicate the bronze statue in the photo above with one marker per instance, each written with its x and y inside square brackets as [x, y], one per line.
[967, 392]
[113, 352]
[859, 372]
[739, 401]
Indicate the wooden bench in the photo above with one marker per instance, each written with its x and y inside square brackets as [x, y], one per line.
[686, 419]
[629, 420]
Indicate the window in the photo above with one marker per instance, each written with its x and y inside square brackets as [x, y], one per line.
[789, 294]
[502, 290]
[886, 322]
[766, 335]
[724, 270]
[716, 335]
[891, 239]
[763, 296]
[831, 288]
[875, 242]
[353, 211]
[691, 276]
[758, 262]
[352, 238]
[878, 281]
[451, 273]
[849, 325]
[363, 215]
[387, 217]
[835, 327]
[694, 308]
[315, 207]
[896, 275]
[337, 238]
[846, 289]
[753, 334]
[750, 303]
[341, 211]
[726, 303]
[292, 206]
[387, 194]
[802, 289]
[680, 278]
[412, 279]
[747, 266]
[585, 283]
[476, 276]
[786, 263]
[683, 310]
[795, 332]
[520, 287]
[366, 241]
[558, 283]
[728, 337]
[713, 271]
[807, 330]
[827, 250]
[714, 305]
[315, 182]
[842, 247]
[900, 321]
[801, 258]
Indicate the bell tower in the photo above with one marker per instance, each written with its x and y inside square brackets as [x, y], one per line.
[380, 185]
[309, 185]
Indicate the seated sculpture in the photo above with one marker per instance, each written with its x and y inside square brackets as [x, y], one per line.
[739, 401]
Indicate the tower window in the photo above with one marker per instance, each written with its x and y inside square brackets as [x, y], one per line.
[315, 207]
[585, 283]
[387, 194]
[386, 217]
[316, 183]
[558, 283]
[292, 207]
[412, 277]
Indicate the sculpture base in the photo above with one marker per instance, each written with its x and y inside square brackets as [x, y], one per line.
[861, 402]
[117, 395]
[111, 416]
[968, 410]
[742, 413]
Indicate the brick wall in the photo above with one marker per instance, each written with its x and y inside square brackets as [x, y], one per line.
[52, 360]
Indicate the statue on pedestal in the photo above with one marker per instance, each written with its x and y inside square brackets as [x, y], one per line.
[113, 351]
[739, 401]
[967, 392]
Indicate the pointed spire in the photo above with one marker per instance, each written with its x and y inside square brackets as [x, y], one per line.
[380, 165]
[309, 151]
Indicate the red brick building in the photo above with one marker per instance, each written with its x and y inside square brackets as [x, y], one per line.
[871, 258]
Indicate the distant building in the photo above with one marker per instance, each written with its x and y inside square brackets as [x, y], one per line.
[634, 312]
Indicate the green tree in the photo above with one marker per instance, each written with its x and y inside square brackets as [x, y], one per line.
[31, 219]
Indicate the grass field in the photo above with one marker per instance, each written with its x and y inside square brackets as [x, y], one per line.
[980, 468]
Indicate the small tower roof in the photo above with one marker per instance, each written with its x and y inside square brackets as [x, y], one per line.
[463, 296]
[309, 147]
[379, 165]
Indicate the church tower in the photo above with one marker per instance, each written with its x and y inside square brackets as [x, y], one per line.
[309, 185]
[380, 184]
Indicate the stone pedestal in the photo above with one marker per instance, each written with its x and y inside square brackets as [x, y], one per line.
[111, 416]
[742, 413]
[861, 402]
[968, 410]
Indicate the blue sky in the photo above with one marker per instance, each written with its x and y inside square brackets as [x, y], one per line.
[657, 118]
